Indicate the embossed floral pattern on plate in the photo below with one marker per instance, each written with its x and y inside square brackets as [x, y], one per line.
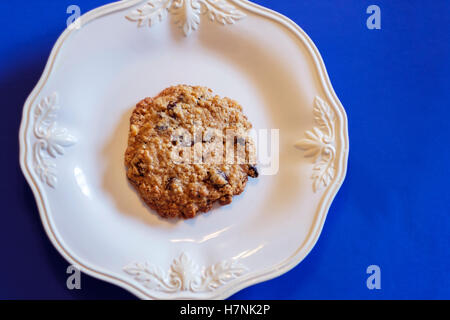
[319, 144]
[186, 13]
[185, 275]
[51, 140]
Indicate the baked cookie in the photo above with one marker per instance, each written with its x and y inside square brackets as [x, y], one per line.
[188, 149]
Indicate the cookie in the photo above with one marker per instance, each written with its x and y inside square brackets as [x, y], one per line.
[189, 149]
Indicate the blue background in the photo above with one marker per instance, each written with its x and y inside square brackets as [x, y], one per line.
[393, 209]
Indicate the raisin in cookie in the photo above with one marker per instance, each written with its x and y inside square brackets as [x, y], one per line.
[188, 149]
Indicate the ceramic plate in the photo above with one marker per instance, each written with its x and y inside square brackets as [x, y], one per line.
[75, 127]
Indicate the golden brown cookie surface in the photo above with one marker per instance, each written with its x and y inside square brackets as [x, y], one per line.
[187, 149]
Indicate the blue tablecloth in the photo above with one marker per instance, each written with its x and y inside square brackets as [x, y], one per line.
[393, 209]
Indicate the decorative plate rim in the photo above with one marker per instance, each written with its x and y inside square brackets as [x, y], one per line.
[242, 282]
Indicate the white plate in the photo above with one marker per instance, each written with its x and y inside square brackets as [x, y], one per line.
[74, 134]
